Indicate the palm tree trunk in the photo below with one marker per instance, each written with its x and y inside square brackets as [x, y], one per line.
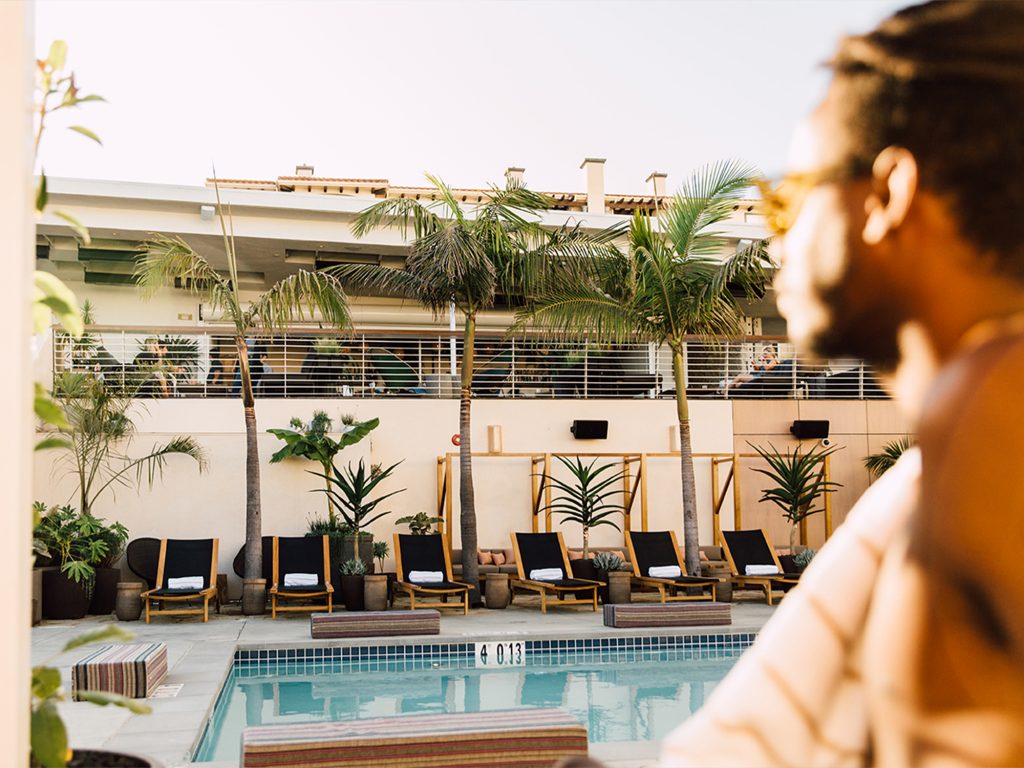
[253, 523]
[467, 499]
[691, 539]
[586, 543]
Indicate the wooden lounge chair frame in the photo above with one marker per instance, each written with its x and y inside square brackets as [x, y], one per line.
[547, 590]
[742, 581]
[276, 595]
[667, 588]
[210, 593]
[414, 590]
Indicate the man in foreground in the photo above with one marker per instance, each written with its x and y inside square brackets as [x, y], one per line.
[900, 240]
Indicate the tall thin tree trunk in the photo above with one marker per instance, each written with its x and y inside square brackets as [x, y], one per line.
[691, 537]
[253, 522]
[586, 543]
[467, 499]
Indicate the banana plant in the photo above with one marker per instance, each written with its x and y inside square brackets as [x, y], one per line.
[586, 500]
[800, 481]
[350, 489]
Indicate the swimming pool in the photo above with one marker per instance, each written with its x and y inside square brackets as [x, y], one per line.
[624, 689]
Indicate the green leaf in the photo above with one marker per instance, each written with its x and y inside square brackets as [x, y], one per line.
[45, 682]
[85, 132]
[52, 295]
[49, 737]
[109, 632]
[105, 698]
[58, 55]
[76, 225]
[48, 410]
[41, 194]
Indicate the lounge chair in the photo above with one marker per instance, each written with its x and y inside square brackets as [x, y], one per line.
[416, 556]
[143, 557]
[493, 374]
[193, 559]
[398, 376]
[752, 548]
[295, 557]
[659, 549]
[546, 552]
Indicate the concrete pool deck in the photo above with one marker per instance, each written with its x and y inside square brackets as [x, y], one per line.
[200, 657]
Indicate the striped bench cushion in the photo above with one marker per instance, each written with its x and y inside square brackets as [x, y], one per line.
[131, 669]
[521, 738]
[374, 624]
[667, 614]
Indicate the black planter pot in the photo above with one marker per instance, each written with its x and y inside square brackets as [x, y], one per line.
[602, 592]
[348, 549]
[98, 758]
[583, 569]
[352, 592]
[62, 597]
[104, 591]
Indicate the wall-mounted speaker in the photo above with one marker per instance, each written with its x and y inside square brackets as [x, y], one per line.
[810, 430]
[589, 430]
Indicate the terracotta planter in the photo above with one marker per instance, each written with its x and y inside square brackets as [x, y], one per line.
[618, 589]
[254, 597]
[352, 592]
[104, 591]
[128, 604]
[375, 592]
[497, 593]
[91, 758]
[62, 597]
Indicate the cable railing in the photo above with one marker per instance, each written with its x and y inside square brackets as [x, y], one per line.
[181, 362]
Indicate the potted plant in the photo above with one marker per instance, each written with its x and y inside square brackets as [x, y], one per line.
[879, 463]
[420, 524]
[350, 489]
[76, 543]
[352, 586]
[312, 441]
[609, 570]
[799, 480]
[380, 551]
[585, 501]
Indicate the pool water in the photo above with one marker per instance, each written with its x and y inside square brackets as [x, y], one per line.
[620, 695]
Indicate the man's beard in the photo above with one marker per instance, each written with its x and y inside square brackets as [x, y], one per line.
[865, 330]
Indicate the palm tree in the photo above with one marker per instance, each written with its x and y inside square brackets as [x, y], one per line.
[464, 259]
[671, 284]
[167, 259]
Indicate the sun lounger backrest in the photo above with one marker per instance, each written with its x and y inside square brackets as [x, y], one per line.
[749, 548]
[653, 548]
[238, 564]
[422, 553]
[188, 557]
[299, 554]
[143, 556]
[540, 550]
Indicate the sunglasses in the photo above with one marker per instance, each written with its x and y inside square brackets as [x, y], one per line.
[782, 199]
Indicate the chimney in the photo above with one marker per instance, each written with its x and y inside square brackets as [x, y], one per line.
[303, 170]
[514, 177]
[595, 184]
[657, 180]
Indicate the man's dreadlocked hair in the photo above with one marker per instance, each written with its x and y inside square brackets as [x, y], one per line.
[945, 80]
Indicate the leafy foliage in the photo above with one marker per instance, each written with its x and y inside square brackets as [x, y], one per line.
[78, 542]
[799, 480]
[803, 558]
[350, 489]
[380, 551]
[353, 567]
[420, 524]
[607, 561]
[879, 463]
[585, 500]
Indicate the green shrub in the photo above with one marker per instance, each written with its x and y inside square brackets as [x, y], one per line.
[353, 567]
[607, 561]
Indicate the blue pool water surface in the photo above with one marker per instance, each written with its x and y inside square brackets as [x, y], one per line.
[621, 695]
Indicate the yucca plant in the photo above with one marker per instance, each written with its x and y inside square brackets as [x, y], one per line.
[879, 463]
[350, 490]
[800, 481]
[585, 500]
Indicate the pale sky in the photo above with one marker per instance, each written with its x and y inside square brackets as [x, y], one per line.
[460, 89]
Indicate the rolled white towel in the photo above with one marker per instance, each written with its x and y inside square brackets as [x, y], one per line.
[665, 571]
[762, 570]
[426, 577]
[186, 582]
[301, 580]
[546, 574]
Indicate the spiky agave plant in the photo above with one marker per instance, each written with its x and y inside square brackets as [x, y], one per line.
[879, 463]
[800, 481]
[585, 500]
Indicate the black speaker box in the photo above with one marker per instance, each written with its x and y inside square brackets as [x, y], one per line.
[809, 430]
[589, 430]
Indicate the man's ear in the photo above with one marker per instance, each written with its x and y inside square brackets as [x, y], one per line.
[894, 186]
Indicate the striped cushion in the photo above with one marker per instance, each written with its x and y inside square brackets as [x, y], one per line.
[132, 669]
[522, 738]
[667, 614]
[374, 623]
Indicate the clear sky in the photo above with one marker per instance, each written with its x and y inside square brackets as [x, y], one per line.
[460, 89]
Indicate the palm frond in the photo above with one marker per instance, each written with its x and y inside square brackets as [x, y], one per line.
[452, 264]
[879, 463]
[377, 279]
[169, 258]
[397, 213]
[295, 296]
